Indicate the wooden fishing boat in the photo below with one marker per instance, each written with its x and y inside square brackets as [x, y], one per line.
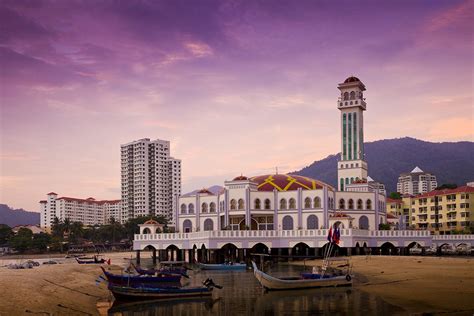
[141, 293]
[269, 282]
[222, 266]
[92, 260]
[164, 269]
[161, 279]
[153, 293]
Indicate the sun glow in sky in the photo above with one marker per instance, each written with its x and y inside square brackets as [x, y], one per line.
[236, 86]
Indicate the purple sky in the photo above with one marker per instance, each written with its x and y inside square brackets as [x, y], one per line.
[236, 86]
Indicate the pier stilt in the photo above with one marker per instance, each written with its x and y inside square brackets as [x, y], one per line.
[154, 257]
[138, 257]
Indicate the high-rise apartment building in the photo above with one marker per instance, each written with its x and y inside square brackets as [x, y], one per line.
[416, 182]
[150, 178]
[87, 211]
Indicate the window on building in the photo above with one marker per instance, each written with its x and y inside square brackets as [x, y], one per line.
[183, 208]
[204, 208]
[267, 204]
[287, 223]
[241, 204]
[368, 204]
[292, 204]
[283, 205]
[342, 204]
[233, 204]
[317, 202]
[307, 202]
[257, 204]
[312, 222]
[351, 204]
[359, 204]
[212, 207]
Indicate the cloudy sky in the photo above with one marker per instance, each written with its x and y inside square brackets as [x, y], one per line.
[236, 86]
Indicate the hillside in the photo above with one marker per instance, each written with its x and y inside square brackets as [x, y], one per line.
[450, 162]
[13, 217]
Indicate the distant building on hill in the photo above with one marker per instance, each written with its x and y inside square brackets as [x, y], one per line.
[440, 211]
[416, 182]
[87, 211]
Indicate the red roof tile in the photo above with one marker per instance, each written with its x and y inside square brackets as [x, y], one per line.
[389, 200]
[462, 189]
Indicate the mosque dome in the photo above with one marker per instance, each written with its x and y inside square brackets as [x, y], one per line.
[287, 182]
[205, 191]
[351, 79]
[240, 178]
[151, 222]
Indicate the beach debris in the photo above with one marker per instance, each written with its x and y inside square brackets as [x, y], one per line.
[25, 265]
[50, 262]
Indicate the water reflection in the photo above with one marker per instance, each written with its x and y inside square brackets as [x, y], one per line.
[242, 295]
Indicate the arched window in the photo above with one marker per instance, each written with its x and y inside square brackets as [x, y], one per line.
[187, 226]
[233, 204]
[317, 202]
[312, 222]
[307, 203]
[359, 204]
[347, 181]
[208, 224]
[292, 204]
[183, 208]
[363, 222]
[346, 96]
[267, 204]
[342, 184]
[352, 180]
[191, 208]
[257, 204]
[241, 204]
[147, 231]
[351, 204]
[368, 204]
[204, 207]
[212, 207]
[342, 204]
[353, 95]
[287, 223]
[282, 204]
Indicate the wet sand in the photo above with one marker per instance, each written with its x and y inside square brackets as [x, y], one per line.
[62, 289]
[417, 284]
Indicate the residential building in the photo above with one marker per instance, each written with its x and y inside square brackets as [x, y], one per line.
[443, 211]
[150, 178]
[416, 182]
[87, 211]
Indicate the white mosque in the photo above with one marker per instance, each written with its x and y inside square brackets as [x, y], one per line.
[283, 202]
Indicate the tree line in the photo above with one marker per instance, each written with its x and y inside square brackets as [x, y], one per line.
[65, 233]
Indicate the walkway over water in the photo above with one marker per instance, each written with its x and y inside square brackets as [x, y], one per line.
[317, 238]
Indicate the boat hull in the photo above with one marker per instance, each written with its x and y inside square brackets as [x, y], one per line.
[131, 293]
[142, 281]
[272, 283]
[236, 266]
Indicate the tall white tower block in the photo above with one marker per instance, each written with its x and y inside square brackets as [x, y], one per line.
[352, 166]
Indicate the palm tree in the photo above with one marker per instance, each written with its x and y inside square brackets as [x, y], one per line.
[76, 231]
[66, 226]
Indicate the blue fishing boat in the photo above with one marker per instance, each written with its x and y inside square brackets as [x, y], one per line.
[145, 293]
[222, 266]
[160, 279]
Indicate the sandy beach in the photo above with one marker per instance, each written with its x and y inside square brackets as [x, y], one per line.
[417, 284]
[435, 285]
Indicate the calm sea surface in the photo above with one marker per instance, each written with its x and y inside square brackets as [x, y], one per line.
[243, 295]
